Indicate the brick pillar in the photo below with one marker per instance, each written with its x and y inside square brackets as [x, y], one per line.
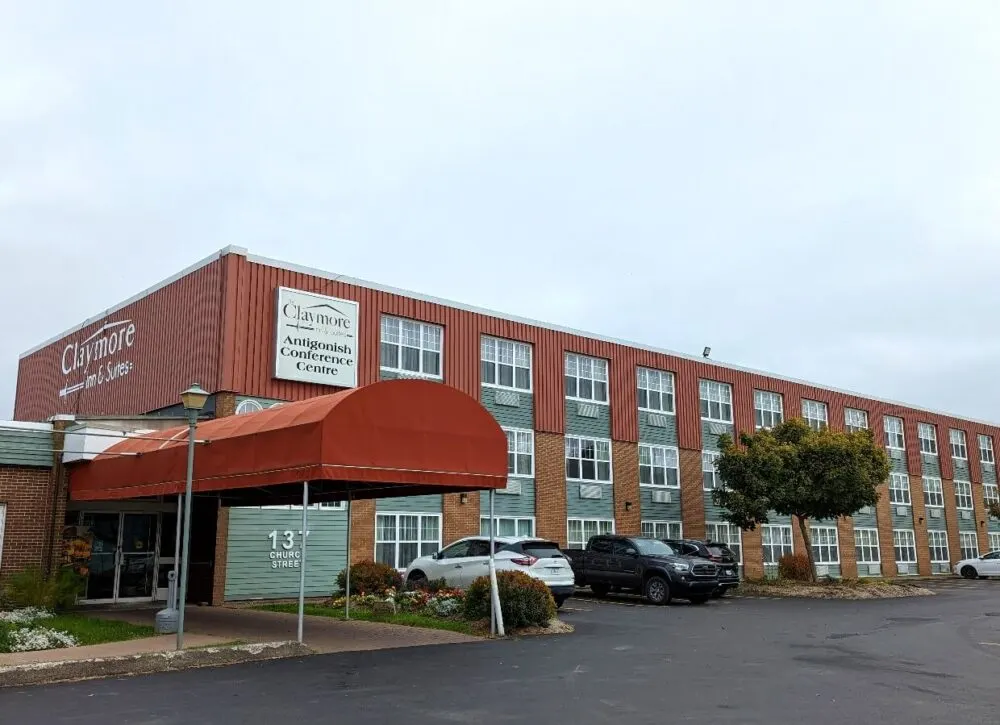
[362, 531]
[550, 487]
[753, 555]
[221, 556]
[459, 519]
[225, 404]
[848, 555]
[920, 525]
[951, 520]
[692, 494]
[981, 517]
[883, 516]
[628, 504]
[59, 493]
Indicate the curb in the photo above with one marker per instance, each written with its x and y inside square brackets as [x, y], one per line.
[146, 663]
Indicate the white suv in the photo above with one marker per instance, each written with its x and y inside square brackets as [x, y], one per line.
[467, 559]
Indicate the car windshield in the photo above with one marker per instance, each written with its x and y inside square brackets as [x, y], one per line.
[653, 547]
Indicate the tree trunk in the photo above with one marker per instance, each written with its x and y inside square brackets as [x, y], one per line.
[804, 528]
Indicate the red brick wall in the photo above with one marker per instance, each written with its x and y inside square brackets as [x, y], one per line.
[883, 516]
[362, 531]
[27, 494]
[979, 509]
[951, 519]
[692, 494]
[459, 519]
[221, 552]
[848, 556]
[628, 508]
[753, 555]
[550, 487]
[920, 525]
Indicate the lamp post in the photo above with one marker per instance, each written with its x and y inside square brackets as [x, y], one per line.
[194, 400]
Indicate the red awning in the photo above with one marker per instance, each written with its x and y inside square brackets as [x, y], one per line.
[393, 438]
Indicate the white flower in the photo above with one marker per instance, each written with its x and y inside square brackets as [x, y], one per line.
[27, 639]
[27, 615]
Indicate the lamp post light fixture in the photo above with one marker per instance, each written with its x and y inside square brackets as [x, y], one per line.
[193, 399]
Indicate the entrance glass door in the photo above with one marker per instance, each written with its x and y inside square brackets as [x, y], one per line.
[103, 575]
[122, 556]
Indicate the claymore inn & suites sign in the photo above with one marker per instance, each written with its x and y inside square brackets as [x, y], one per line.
[316, 339]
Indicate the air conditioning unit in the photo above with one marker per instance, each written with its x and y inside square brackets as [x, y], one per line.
[903, 568]
[875, 569]
[657, 419]
[822, 570]
[508, 398]
[967, 515]
[718, 429]
[866, 510]
[902, 510]
[934, 513]
[591, 490]
[513, 488]
[662, 497]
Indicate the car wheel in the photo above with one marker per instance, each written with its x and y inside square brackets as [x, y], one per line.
[599, 590]
[657, 590]
[969, 572]
[559, 602]
[700, 599]
[416, 578]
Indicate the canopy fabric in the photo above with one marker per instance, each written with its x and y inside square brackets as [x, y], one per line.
[396, 437]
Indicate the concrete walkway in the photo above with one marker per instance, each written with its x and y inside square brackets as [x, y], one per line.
[163, 643]
[322, 634]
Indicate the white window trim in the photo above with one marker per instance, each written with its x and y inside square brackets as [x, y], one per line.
[663, 522]
[673, 391]
[677, 457]
[607, 381]
[964, 443]
[484, 520]
[912, 544]
[818, 405]
[963, 536]
[420, 541]
[937, 534]
[531, 433]
[582, 520]
[611, 455]
[921, 439]
[721, 402]
[847, 422]
[890, 434]
[758, 406]
[727, 542]
[496, 364]
[993, 540]
[986, 454]
[968, 486]
[905, 479]
[715, 455]
[987, 489]
[877, 545]
[836, 544]
[410, 373]
[782, 528]
[938, 490]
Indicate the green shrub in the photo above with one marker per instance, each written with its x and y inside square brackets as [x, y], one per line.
[795, 567]
[431, 587]
[31, 588]
[370, 577]
[524, 601]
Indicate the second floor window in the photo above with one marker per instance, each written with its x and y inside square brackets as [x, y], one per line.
[768, 409]
[958, 446]
[709, 475]
[986, 449]
[588, 459]
[586, 378]
[899, 489]
[520, 452]
[411, 347]
[963, 495]
[716, 401]
[928, 438]
[855, 420]
[894, 437]
[655, 390]
[658, 466]
[933, 492]
[815, 414]
[505, 363]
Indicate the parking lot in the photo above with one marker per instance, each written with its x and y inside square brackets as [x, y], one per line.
[927, 659]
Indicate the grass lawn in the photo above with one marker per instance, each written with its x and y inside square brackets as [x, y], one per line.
[86, 630]
[407, 619]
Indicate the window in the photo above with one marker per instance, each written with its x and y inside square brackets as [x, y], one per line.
[334, 505]
[969, 544]
[899, 489]
[986, 449]
[588, 459]
[655, 390]
[776, 542]
[825, 545]
[994, 541]
[905, 546]
[866, 546]
[411, 347]
[958, 447]
[716, 401]
[710, 476]
[586, 378]
[928, 438]
[505, 363]
[815, 414]
[661, 529]
[990, 494]
[3, 519]
[658, 466]
[938, 543]
[401, 538]
[768, 409]
[933, 493]
[855, 420]
[507, 526]
[894, 437]
[963, 494]
[721, 532]
[520, 452]
[579, 531]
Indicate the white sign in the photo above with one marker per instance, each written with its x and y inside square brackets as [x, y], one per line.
[283, 554]
[316, 339]
[85, 364]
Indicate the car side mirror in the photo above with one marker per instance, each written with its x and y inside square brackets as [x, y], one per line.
[436, 555]
[631, 552]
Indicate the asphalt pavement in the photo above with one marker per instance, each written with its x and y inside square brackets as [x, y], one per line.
[920, 660]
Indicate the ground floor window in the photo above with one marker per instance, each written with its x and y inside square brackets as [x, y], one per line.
[905, 546]
[938, 543]
[508, 526]
[994, 541]
[970, 544]
[725, 533]
[661, 529]
[825, 546]
[866, 546]
[579, 531]
[401, 538]
[776, 541]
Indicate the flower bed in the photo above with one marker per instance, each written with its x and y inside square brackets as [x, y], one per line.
[833, 589]
[21, 630]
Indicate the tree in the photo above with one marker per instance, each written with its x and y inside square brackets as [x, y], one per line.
[794, 470]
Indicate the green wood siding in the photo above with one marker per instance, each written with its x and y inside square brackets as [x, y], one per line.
[506, 504]
[25, 447]
[250, 573]
[660, 511]
[710, 439]
[520, 416]
[576, 424]
[865, 521]
[930, 465]
[429, 504]
[588, 508]
[935, 524]
[897, 461]
[656, 435]
[961, 469]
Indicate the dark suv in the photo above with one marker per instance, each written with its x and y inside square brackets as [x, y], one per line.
[722, 555]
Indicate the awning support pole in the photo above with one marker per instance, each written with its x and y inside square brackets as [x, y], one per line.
[347, 576]
[496, 616]
[186, 550]
[302, 562]
[177, 550]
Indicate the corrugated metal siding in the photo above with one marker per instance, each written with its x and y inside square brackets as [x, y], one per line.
[24, 447]
[177, 342]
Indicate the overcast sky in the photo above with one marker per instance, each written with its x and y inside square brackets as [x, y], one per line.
[811, 188]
